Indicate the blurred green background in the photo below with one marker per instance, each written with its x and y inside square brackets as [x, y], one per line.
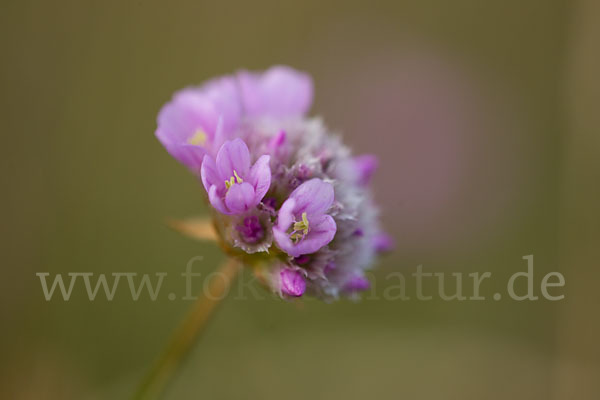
[484, 115]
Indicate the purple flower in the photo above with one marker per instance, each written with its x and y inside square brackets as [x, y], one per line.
[292, 282]
[196, 121]
[303, 226]
[233, 186]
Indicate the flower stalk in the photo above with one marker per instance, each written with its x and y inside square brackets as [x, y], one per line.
[157, 379]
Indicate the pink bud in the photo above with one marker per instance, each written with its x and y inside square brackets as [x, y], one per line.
[292, 282]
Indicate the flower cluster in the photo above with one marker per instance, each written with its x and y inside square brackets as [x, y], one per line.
[289, 198]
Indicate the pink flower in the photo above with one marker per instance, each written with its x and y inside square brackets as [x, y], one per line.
[303, 226]
[233, 186]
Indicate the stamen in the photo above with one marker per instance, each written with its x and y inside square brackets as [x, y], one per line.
[237, 177]
[300, 228]
[233, 180]
[198, 139]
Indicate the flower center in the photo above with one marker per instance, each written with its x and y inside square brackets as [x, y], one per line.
[300, 228]
[233, 180]
[251, 229]
[198, 138]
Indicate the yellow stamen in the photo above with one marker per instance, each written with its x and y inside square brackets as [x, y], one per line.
[300, 226]
[198, 139]
[230, 182]
[233, 180]
[237, 177]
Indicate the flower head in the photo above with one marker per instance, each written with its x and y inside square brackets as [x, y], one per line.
[288, 196]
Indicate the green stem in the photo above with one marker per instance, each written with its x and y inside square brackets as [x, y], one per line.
[185, 336]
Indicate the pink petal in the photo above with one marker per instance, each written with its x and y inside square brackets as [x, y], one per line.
[320, 235]
[285, 217]
[314, 197]
[215, 200]
[188, 112]
[233, 156]
[260, 177]
[278, 92]
[209, 173]
[224, 95]
[240, 198]
[284, 242]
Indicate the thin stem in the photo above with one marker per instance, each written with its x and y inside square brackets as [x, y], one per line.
[185, 336]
